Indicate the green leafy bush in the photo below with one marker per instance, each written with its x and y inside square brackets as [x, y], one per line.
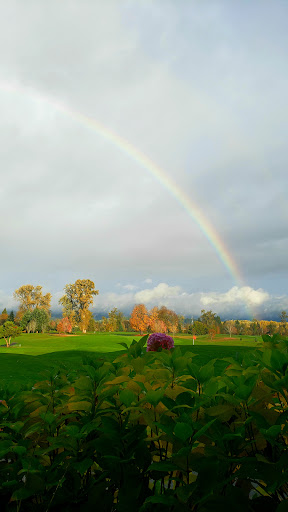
[151, 431]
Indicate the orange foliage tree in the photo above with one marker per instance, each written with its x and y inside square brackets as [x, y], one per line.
[64, 325]
[3, 316]
[139, 319]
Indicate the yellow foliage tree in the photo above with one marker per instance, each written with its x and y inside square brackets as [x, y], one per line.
[153, 316]
[31, 297]
[76, 301]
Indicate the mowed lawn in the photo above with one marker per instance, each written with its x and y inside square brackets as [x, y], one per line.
[24, 363]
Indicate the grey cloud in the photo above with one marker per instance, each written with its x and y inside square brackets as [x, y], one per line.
[182, 85]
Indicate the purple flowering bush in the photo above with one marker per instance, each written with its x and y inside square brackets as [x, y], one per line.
[158, 340]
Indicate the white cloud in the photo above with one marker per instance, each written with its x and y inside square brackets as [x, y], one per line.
[7, 301]
[237, 302]
[161, 292]
[129, 287]
[243, 295]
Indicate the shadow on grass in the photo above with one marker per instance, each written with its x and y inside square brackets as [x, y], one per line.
[25, 370]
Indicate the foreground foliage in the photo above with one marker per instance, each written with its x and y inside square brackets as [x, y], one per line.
[150, 431]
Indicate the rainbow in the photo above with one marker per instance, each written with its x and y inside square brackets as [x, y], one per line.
[193, 210]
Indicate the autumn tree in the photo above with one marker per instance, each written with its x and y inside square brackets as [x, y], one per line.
[153, 319]
[264, 326]
[31, 297]
[181, 323]
[64, 325]
[139, 319]
[212, 331]
[3, 316]
[283, 318]
[85, 318]
[92, 325]
[76, 301]
[272, 327]
[169, 318]
[255, 327]
[18, 317]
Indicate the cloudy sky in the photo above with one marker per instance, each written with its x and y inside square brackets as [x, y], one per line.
[198, 88]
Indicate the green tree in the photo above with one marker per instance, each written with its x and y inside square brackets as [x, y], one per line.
[117, 318]
[76, 301]
[36, 320]
[283, 318]
[42, 319]
[255, 327]
[198, 328]
[209, 319]
[11, 317]
[26, 318]
[8, 331]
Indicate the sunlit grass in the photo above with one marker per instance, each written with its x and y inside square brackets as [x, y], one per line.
[24, 362]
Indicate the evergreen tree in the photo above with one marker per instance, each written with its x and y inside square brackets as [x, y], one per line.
[11, 317]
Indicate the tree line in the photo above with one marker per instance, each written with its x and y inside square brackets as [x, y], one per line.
[34, 315]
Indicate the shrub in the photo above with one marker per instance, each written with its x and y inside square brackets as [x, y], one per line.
[151, 431]
[158, 341]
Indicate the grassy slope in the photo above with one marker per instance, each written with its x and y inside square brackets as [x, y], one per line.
[38, 352]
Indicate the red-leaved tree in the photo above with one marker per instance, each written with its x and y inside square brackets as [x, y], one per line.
[64, 325]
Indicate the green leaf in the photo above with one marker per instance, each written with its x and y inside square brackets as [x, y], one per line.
[283, 507]
[79, 406]
[207, 371]
[36, 427]
[272, 432]
[83, 465]
[243, 391]
[20, 450]
[162, 466]
[83, 383]
[123, 344]
[202, 430]
[154, 396]
[183, 431]
[127, 397]
[48, 417]
[165, 500]
[222, 411]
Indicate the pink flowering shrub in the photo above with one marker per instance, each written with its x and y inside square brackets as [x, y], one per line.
[159, 340]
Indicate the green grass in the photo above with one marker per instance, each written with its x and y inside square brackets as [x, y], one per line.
[22, 364]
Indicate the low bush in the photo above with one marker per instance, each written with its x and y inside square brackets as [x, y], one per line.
[151, 431]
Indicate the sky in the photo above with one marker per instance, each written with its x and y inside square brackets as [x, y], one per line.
[144, 146]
